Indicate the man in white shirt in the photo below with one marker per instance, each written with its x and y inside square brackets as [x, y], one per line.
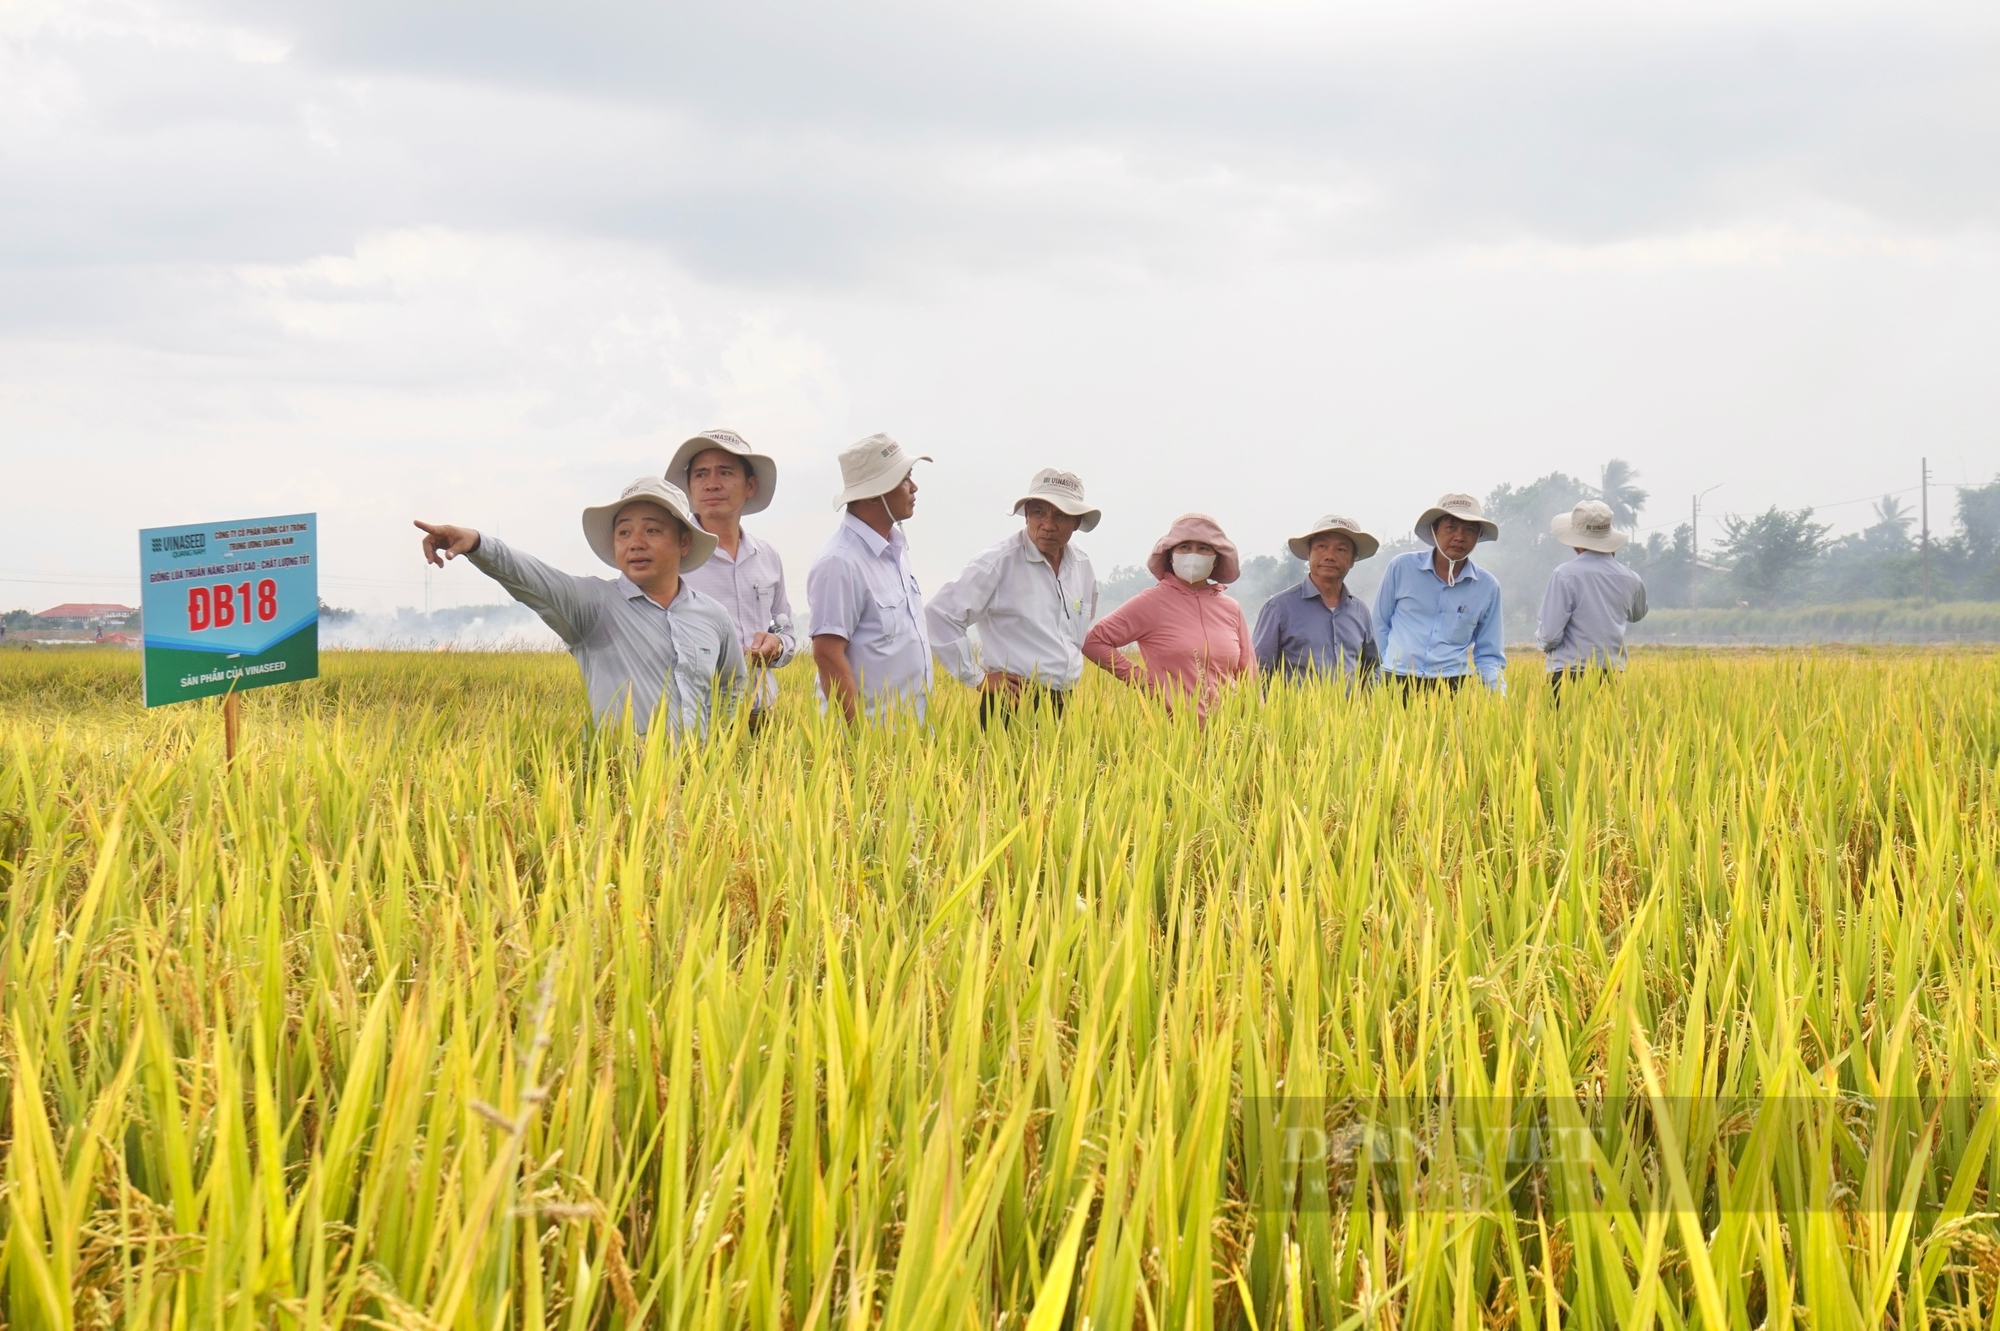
[868, 632]
[1033, 597]
[725, 480]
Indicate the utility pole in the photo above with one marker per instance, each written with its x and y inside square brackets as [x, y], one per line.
[1694, 542]
[1927, 531]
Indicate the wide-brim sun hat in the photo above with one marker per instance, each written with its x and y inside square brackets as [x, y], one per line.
[1588, 527]
[761, 464]
[1063, 490]
[1364, 544]
[1463, 507]
[1196, 527]
[598, 522]
[873, 467]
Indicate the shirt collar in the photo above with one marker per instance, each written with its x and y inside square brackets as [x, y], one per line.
[871, 538]
[1034, 552]
[1467, 570]
[632, 591]
[747, 546]
[1309, 591]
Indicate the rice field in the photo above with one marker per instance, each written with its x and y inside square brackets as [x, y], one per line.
[1677, 1007]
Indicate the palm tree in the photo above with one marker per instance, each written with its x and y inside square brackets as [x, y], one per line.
[1617, 488]
[1893, 514]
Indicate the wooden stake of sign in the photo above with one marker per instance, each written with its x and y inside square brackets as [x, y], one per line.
[230, 716]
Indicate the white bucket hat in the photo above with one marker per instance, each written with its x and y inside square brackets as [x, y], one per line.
[1588, 526]
[1364, 544]
[1063, 489]
[599, 521]
[1463, 507]
[872, 467]
[761, 465]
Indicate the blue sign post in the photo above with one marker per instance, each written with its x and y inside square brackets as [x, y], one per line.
[229, 606]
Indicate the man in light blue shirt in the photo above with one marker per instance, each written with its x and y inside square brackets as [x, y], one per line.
[869, 640]
[1591, 600]
[1437, 615]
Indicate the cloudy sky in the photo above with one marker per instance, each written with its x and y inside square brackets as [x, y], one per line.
[485, 262]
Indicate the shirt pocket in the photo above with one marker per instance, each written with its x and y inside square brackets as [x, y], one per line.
[762, 594]
[1459, 625]
[889, 608]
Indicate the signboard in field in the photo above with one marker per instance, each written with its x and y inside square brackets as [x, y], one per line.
[229, 606]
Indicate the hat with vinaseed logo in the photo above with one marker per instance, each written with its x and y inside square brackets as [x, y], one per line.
[872, 467]
[600, 523]
[762, 469]
[1463, 507]
[1364, 544]
[1063, 489]
[1588, 527]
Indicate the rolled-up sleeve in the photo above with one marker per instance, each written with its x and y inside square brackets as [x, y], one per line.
[1638, 601]
[565, 602]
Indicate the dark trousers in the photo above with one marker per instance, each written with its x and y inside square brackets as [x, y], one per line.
[1557, 678]
[1031, 695]
[1412, 685]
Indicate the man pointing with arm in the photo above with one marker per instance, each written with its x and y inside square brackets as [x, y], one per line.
[644, 638]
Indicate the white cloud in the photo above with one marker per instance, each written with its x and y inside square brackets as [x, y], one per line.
[442, 257]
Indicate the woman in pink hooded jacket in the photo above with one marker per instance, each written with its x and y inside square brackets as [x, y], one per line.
[1193, 638]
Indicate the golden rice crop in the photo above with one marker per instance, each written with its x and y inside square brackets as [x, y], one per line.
[437, 1011]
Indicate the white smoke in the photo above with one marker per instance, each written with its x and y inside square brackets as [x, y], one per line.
[507, 627]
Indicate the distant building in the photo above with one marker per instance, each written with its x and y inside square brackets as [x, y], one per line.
[87, 615]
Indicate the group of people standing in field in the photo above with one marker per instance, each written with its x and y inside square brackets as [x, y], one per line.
[700, 612]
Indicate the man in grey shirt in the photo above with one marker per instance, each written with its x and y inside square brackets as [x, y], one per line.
[1591, 599]
[645, 639]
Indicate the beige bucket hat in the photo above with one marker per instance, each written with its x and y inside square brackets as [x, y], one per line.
[873, 467]
[599, 521]
[761, 465]
[1364, 544]
[1064, 489]
[1588, 526]
[1463, 507]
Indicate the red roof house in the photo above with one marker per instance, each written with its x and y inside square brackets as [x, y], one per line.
[87, 614]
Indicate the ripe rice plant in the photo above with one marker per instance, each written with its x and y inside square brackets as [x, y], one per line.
[1677, 1006]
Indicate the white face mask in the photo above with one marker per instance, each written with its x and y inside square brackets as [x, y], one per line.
[1192, 568]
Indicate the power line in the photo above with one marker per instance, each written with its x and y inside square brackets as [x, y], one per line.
[1839, 503]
